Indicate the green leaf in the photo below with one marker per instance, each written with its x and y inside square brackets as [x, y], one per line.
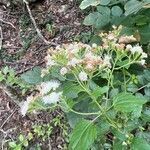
[126, 102]
[116, 11]
[139, 144]
[71, 90]
[146, 115]
[104, 2]
[99, 91]
[96, 19]
[21, 138]
[104, 10]
[132, 6]
[83, 136]
[33, 76]
[12, 144]
[86, 3]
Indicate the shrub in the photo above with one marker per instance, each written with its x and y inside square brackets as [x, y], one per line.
[134, 15]
[102, 89]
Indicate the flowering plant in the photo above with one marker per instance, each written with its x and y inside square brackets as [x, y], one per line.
[95, 87]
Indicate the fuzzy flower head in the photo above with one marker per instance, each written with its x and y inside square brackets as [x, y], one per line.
[48, 86]
[106, 61]
[49, 61]
[83, 76]
[25, 105]
[136, 49]
[73, 62]
[52, 98]
[63, 71]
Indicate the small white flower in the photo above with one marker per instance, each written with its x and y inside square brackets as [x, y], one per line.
[94, 45]
[83, 76]
[73, 62]
[48, 86]
[124, 143]
[63, 71]
[111, 37]
[144, 55]
[25, 105]
[128, 47]
[142, 62]
[49, 61]
[136, 49]
[106, 61]
[52, 98]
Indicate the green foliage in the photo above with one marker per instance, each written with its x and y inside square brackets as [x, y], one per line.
[21, 143]
[134, 15]
[83, 135]
[104, 92]
[33, 76]
[9, 78]
[126, 102]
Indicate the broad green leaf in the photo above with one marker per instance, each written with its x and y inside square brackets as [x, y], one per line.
[97, 20]
[86, 3]
[116, 11]
[99, 91]
[71, 90]
[132, 6]
[83, 136]
[139, 144]
[103, 128]
[90, 19]
[126, 102]
[104, 2]
[73, 119]
[33, 76]
[104, 10]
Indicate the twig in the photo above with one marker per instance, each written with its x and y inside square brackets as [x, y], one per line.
[35, 25]
[8, 23]
[8, 118]
[1, 38]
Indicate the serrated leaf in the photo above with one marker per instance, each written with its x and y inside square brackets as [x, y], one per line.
[86, 3]
[126, 102]
[139, 144]
[83, 136]
[33, 76]
[132, 6]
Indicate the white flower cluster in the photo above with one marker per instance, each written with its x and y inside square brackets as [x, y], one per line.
[137, 50]
[46, 87]
[83, 76]
[48, 91]
[25, 105]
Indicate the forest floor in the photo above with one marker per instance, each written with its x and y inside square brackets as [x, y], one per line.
[59, 22]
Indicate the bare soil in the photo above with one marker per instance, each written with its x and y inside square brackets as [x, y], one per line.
[59, 21]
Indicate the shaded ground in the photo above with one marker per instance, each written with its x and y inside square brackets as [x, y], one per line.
[59, 21]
